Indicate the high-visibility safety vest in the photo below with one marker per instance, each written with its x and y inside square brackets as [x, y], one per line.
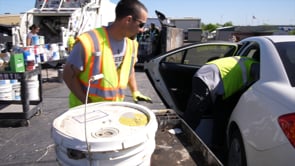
[99, 59]
[235, 73]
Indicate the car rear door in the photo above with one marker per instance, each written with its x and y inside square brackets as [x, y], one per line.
[171, 73]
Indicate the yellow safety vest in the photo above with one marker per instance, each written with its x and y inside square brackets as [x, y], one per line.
[99, 59]
[234, 68]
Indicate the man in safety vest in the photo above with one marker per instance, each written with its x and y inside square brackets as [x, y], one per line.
[222, 77]
[108, 51]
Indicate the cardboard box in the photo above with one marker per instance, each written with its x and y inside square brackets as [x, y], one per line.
[17, 63]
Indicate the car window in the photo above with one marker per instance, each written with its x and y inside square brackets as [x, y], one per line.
[200, 55]
[287, 54]
[176, 57]
[251, 50]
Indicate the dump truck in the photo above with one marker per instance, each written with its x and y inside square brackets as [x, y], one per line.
[60, 19]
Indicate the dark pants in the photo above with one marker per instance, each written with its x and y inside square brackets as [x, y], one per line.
[199, 102]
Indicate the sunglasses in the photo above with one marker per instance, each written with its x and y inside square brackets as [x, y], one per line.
[141, 24]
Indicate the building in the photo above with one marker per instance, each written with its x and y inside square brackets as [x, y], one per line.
[186, 23]
[10, 19]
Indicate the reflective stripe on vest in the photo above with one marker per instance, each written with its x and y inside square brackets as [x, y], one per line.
[99, 59]
[241, 62]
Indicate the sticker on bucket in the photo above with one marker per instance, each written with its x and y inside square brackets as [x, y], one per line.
[133, 119]
[91, 115]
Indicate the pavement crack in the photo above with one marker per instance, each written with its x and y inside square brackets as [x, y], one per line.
[12, 139]
[46, 152]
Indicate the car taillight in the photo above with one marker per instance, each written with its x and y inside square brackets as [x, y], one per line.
[287, 123]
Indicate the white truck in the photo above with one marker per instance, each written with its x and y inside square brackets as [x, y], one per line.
[58, 19]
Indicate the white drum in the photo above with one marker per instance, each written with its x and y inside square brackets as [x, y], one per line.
[109, 133]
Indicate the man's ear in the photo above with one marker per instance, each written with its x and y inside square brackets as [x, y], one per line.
[129, 18]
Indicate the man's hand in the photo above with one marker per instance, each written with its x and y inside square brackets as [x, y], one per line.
[137, 96]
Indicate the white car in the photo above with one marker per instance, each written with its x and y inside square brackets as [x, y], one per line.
[257, 125]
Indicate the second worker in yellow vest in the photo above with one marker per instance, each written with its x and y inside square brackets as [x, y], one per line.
[219, 78]
[108, 51]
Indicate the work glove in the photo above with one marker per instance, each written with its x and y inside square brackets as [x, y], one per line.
[137, 96]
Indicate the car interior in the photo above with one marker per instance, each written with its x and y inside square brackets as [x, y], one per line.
[180, 68]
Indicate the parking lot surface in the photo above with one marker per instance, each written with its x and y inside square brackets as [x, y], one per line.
[33, 145]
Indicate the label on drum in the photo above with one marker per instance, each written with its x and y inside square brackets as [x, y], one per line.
[90, 116]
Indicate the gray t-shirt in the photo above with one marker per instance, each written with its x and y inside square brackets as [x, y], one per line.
[77, 54]
[30, 36]
[210, 74]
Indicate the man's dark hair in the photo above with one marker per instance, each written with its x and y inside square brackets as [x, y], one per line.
[129, 7]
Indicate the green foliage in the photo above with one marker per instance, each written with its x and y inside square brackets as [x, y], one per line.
[209, 27]
[292, 32]
[212, 27]
[228, 24]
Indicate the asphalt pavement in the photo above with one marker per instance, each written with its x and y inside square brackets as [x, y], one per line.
[33, 145]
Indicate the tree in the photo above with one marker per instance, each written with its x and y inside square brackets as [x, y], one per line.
[292, 32]
[228, 24]
[209, 27]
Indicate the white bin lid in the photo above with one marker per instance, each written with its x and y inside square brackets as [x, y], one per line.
[110, 126]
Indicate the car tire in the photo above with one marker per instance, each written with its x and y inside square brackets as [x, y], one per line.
[236, 153]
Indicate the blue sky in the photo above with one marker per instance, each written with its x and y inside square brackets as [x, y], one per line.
[240, 12]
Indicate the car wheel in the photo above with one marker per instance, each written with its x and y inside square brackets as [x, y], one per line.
[236, 154]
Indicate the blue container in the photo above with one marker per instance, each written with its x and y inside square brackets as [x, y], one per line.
[35, 40]
[13, 81]
[26, 54]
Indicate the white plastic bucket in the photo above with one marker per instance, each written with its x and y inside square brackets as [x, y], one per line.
[33, 90]
[16, 91]
[118, 133]
[33, 78]
[55, 56]
[5, 92]
[55, 52]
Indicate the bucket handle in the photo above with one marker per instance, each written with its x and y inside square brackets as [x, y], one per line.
[122, 156]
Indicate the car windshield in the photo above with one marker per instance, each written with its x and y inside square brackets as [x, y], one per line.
[287, 54]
